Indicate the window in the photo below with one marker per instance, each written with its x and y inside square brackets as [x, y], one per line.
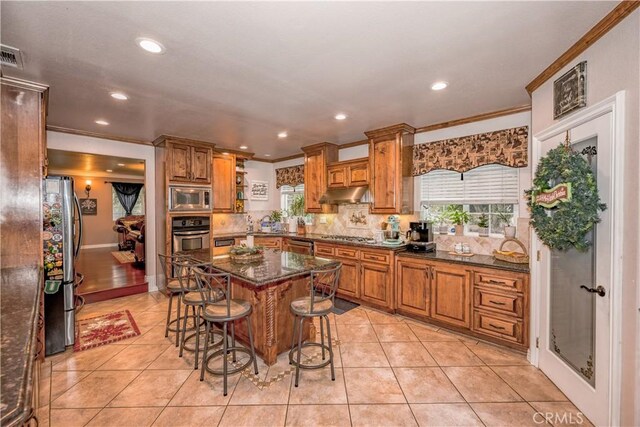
[118, 210]
[492, 190]
[287, 194]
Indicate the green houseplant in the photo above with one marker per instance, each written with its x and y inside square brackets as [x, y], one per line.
[296, 213]
[505, 218]
[483, 224]
[458, 217]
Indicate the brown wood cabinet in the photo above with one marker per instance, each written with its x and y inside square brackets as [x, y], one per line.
[189, 164]
[376, 284]
[351, 173]
[269, 242]
[316, 159]
[349, 278]
[450, 287]
[391, 183]
[224, 183]
[413, 291]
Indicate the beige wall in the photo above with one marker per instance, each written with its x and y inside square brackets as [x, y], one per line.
[613, 64]
[98, 229]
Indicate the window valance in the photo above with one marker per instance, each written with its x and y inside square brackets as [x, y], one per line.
[506, 147]
[293, 175]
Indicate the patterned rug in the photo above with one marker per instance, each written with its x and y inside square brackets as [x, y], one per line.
[105, 329]
[124, 257]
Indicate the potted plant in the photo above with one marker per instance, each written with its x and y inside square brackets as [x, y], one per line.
[505, 218]
[276, 220]
[483, 224]
[296, 213]
[458, 217]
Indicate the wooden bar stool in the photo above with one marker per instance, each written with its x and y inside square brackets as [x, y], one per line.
[225, 310]
[319, 303]
[178, 282]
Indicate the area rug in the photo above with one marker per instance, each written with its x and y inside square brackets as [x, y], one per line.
[124, 257]
[105, 329]
[341, 306]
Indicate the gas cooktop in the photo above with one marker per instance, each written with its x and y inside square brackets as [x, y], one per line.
[356, 239]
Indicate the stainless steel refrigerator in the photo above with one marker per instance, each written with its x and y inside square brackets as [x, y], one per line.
[62, 235]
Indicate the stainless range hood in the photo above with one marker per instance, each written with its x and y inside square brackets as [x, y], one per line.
[338, 196]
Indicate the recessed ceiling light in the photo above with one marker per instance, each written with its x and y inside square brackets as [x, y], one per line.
[340, 116]
[243, 147]
[150, 45]
[282, 135]
[109, 170]
[267, 155]
[439, 85]
[120, 164]
[102, 122]
[119, 96]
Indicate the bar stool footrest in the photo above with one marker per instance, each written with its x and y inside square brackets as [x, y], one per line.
[192, 347]
[181, 318]
[228, 360]
[293, 352]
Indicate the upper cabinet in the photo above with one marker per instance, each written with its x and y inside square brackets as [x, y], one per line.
[224, 183]
[391, 183]
[187, 161]
[316, 159]
[351, 173]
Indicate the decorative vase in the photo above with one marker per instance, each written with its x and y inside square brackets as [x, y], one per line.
[509, 231]
[302, 230]
[293, 225]
[483, 231]
[460, 230]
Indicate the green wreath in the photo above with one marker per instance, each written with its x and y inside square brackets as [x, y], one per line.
[566, 224]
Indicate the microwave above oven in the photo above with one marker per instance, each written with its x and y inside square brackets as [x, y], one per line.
[183, 199]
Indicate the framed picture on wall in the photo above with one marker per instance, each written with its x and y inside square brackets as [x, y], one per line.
[570, 91]
[259, 190]
[89, 206]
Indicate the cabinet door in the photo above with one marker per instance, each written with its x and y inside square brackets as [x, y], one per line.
[179, 163]
[349, 279]
[450, 295]
[385, 162]
[224, 175]
[412, 287]
[337, 176]
[376, 284]
[201, 165]
[358, 174]
[314, 181]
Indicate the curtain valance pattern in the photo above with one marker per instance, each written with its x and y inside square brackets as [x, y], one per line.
[292, 176]
[506, 147]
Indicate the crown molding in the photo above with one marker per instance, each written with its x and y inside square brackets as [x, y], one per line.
[476, 118]
[96, 135]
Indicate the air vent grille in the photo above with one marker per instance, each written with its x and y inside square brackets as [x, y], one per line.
[10, 56]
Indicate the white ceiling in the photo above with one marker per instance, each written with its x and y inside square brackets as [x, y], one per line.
[83, 164]
[238, 73]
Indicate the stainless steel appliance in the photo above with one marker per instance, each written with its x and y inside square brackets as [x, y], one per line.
[420, 237]
[191, 198]
[62, 235]
[190, 233]
[300, 246]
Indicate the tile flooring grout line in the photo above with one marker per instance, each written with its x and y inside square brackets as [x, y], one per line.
[508, 385]
[464, 398]
[174, 394]
[344, 378]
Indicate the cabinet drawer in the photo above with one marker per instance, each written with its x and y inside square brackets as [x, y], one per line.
[506, 303]
[347, 253]
[506, 328]
[499, 279]
[273, 242]
[379, 257]
[323, 250]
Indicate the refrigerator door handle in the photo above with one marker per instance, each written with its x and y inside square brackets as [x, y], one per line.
[77, 248]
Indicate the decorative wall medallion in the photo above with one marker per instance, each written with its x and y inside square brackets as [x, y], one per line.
[357, 216]
[570, 91]
[89, 206]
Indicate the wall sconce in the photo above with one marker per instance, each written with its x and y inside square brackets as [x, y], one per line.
[87, 189]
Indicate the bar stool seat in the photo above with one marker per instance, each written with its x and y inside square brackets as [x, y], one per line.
[302, 307]
[174, 285]
[237, 310]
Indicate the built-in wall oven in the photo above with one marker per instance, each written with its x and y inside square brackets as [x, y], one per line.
[189, 198]
[190, 233]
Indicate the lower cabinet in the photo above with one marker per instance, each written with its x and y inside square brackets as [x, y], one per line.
[349, 284]
[450, 295]
[377, 284]
[413, 293]
[269, 242]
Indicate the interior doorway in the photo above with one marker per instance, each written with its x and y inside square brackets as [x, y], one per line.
[111, 195]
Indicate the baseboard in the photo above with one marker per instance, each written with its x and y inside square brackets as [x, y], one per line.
[152, 282]
[102, 245]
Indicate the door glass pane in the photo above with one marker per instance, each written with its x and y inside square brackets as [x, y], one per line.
[573, 309]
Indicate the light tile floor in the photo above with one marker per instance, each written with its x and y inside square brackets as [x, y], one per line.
[391, 371]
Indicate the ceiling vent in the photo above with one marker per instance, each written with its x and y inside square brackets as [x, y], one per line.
[10, 56]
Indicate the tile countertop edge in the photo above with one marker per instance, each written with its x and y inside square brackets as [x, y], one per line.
[486, 261]
[19, 410]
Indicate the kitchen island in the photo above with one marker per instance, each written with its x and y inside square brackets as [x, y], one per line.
[269, 285]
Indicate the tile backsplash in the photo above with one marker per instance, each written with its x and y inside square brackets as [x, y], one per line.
[355, 220]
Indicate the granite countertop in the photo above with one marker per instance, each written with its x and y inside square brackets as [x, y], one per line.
[311, 237]
[476, 260]
[19, 318]
[276, 265]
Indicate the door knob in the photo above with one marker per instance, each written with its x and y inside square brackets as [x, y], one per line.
[598, 290]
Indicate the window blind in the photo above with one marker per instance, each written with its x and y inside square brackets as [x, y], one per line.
[289, 189]
[485, 184]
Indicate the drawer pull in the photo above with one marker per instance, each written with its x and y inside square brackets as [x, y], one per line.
[495, 282]
[496, 327]
[496, 302]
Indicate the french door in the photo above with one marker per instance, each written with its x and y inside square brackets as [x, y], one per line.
[575, 297]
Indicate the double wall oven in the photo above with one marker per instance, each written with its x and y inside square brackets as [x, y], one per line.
[190, 233]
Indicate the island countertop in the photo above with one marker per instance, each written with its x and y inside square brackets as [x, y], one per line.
[276, 265]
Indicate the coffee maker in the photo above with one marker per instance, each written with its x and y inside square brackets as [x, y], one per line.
[420, 237]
